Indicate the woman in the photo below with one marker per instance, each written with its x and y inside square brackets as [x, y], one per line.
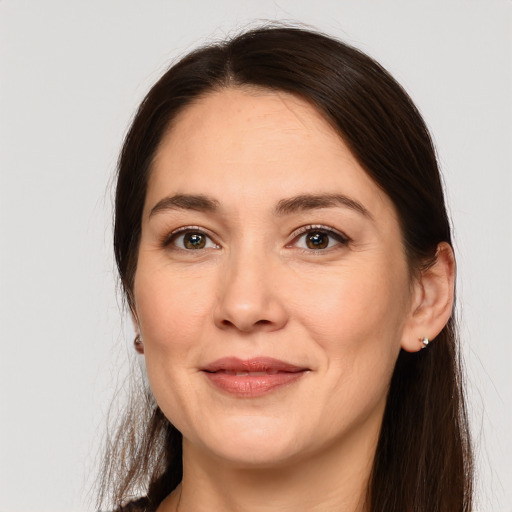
[284, 248]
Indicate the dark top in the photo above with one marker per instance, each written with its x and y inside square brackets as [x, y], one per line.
[140, 505]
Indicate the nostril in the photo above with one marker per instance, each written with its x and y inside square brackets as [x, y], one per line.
[247, 312]
[243, 326]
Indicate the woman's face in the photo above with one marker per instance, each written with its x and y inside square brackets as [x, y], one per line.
[272, 289]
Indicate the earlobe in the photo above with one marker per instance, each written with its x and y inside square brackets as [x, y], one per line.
[432, 301]
[137, 342]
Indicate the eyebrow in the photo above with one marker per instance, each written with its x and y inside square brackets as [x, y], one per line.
[298, 203]
[305, 202]
[198, 203]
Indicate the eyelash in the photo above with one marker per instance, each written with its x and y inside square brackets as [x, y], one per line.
[338, 236]
[174, 235]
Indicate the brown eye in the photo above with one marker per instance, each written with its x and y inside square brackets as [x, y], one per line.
[194, 241]
[317, 240]
[190, 240]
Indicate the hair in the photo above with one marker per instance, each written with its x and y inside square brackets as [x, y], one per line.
[423, 460]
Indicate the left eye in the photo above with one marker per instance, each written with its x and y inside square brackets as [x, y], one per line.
[318, 239]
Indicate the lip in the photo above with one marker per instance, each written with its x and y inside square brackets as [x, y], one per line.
[252, 377]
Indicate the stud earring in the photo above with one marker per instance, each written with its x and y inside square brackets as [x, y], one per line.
[137, 343]
[425, 342]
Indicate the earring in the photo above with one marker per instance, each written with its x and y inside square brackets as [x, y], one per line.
[425, 342]
[137, 343]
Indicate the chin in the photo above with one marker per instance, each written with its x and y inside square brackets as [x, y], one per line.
[253, 442]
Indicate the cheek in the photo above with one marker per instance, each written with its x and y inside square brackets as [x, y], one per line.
[353, 307]
[355, 319]
[172, 310]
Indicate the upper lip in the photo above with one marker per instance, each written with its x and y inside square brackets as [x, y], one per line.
[257, 364]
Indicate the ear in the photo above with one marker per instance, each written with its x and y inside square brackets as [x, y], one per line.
[137, 342]
[432, 300]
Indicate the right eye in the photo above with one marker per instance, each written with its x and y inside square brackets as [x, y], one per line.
[191, 240]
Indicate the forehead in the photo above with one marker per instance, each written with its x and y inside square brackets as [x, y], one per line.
[253, 145]
[233, 122]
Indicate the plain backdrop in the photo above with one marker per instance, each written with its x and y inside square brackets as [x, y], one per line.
[71, 76]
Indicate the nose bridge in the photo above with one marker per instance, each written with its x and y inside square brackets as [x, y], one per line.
[248, 298]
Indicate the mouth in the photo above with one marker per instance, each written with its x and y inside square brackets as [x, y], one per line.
[252, 377]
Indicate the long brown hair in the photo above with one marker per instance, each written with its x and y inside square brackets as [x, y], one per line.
[423, 461]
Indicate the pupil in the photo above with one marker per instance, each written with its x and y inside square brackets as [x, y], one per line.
[194, 241]
[317, 241]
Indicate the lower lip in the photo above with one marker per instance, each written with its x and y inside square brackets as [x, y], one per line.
[252, 385]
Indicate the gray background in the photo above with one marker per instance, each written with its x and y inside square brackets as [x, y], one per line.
[72, 73]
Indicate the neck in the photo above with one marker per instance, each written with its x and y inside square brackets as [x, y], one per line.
[335, 479]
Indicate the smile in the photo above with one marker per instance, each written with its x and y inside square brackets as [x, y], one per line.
[253, 377]
[252, 374]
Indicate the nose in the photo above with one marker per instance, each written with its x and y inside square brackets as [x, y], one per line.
[249, 296]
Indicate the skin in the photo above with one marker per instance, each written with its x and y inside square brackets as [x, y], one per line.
[255, 288]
